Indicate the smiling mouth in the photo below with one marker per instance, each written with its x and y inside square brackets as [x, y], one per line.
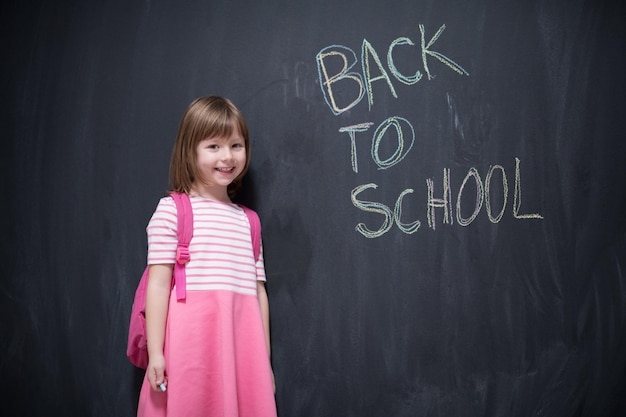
[225, 169]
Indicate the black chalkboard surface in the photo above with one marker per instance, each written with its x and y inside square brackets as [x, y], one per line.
[441, 185]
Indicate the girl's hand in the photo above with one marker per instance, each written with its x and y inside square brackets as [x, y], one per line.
[156, 373]
[157, 296]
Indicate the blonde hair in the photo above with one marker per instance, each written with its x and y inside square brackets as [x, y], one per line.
[206, 117]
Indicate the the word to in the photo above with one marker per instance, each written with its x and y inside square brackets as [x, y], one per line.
[402, 148]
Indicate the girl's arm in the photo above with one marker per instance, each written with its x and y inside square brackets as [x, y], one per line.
[157, 301]
[265, 315]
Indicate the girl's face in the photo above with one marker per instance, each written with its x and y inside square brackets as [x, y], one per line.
[219, 160]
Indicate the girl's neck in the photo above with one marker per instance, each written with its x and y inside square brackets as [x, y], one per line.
[212, 193]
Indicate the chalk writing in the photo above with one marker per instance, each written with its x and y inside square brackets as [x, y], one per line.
[399, 153]
[362, 127]
[432, 203]
[345, 81]
[480, 196]
[368, 50]
[380, 208]
[444, 203]
[444, 59]
[405, 79]
[327, 82]
[505, 191]
[372, 207]
[517, 197]
[408, 228]
[344, 87]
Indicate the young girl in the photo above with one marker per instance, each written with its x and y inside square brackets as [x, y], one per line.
[208, 354]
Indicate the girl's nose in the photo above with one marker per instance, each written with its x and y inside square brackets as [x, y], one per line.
[227, 154]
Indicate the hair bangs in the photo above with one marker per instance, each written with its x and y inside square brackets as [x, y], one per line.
[217, 124]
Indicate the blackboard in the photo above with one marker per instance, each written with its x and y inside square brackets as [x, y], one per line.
[441, 186]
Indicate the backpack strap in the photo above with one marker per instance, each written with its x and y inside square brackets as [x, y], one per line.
[255, 230]
[185, 233]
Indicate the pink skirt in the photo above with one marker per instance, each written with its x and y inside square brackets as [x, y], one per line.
[216, 360]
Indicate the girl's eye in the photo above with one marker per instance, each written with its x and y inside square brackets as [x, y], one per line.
[237, 145]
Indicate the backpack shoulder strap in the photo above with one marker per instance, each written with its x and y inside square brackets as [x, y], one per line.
[255, 230]
[185, 233]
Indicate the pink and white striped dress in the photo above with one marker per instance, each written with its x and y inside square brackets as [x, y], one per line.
[216, 358]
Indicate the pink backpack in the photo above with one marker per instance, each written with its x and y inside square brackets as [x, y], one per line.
[137, 349]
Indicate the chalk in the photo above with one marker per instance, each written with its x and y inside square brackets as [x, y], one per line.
[162, 386]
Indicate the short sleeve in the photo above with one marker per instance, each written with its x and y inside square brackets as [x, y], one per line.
[260, 266]
[162, 233]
